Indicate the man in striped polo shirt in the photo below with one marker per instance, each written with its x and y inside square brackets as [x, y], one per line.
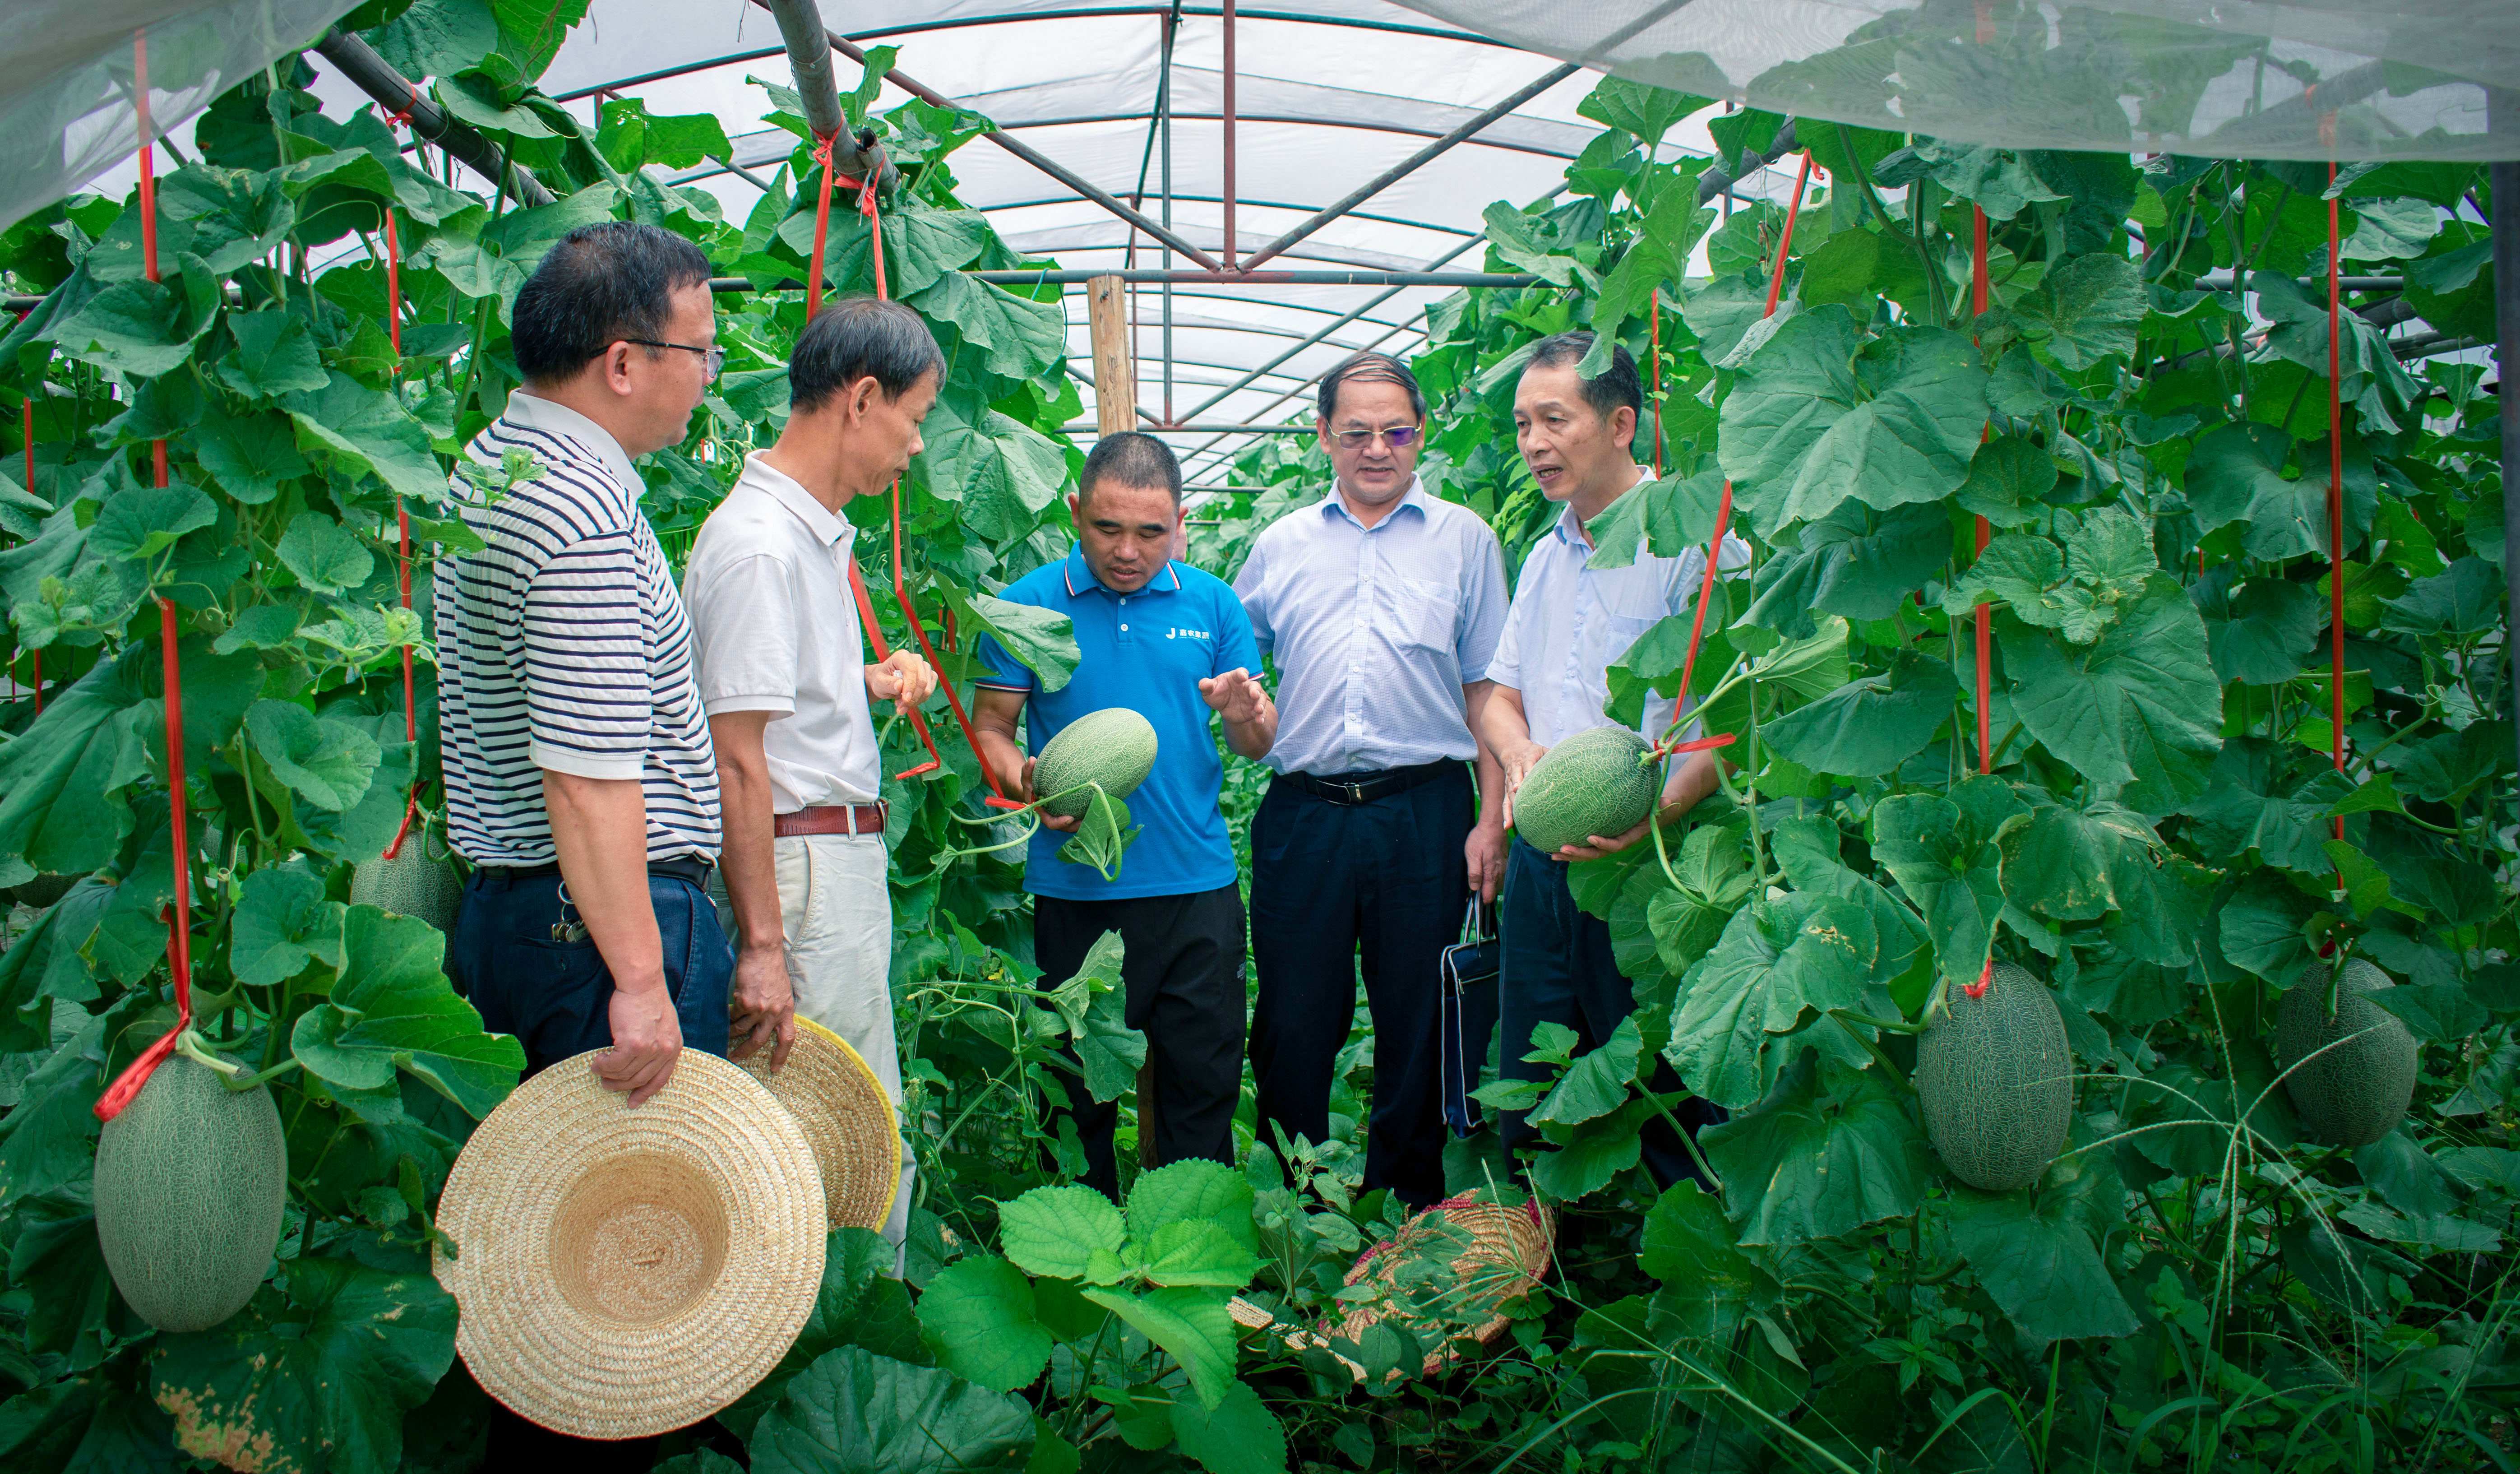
[580, 777]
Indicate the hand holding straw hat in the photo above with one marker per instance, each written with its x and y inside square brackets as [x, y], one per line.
[625, 1273]
[844, 1113]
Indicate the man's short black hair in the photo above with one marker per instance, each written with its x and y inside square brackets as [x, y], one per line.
[1371, 368]
[1615, 386]
[1131, 458]
[603, 283]
[861, 337]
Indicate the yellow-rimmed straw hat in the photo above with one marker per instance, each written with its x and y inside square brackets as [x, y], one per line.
[622, 1273]
[844, 1113]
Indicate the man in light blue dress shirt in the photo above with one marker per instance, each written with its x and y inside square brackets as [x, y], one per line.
[1382, 606]
[1570, 622]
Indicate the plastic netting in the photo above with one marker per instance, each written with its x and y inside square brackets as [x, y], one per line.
[2406, 80]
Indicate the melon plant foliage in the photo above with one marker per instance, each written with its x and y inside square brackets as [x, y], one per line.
[2197, 1279]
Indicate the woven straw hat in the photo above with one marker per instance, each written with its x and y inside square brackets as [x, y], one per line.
[843, 1111]
[1495, 1253]
[622, 1273]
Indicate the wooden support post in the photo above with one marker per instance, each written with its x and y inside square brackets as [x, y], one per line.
[1115, 366]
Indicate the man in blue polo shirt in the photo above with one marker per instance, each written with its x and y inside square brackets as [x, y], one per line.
[1172, 644]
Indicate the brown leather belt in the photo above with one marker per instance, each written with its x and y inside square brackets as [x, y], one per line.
[830, 818]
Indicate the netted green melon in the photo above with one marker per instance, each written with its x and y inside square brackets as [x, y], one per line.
[1597, 782]
[410, 884]
[1996, 1079]
[1114, 747]
[190, 1183]
[2352, 1076]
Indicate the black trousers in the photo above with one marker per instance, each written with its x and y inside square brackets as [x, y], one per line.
[1182, 965]
[1331, 882]
[1559, 968]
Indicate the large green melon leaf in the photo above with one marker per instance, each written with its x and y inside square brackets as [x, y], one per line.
[856, 1413]
[1829, 1151]
[1820, 414]
[2140, 709]
[1777, 961]
[316, 1372]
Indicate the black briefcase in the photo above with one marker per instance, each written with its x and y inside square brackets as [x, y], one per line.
[1469, 1014]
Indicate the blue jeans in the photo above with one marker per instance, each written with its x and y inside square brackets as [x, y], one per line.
[555, 997]
[1558, 967]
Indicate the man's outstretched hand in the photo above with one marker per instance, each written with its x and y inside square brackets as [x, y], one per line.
[1235, 696]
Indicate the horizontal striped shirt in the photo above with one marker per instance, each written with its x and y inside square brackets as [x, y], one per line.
[1375, 631]
[1571, 622]
[562, 645]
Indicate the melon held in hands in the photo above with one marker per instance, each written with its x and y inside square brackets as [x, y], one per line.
[1598, 782]
[1114, 747]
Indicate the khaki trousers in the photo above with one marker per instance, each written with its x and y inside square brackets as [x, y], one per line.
[838, 917]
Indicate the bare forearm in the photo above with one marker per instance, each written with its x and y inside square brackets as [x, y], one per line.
[600, 826]
[750, 859]
[994, 714]
[1253, 738]
[1503, 726]
[1475, 697]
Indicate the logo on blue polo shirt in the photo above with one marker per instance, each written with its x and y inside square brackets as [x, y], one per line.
[1188, 635]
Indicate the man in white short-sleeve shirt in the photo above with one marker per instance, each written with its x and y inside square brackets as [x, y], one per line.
[787, 689]
[1550, 671]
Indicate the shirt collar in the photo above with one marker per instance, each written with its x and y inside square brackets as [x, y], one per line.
[1080, 576]
[1570, 530]
[827, 526]
[1335, 505]
[531, 411]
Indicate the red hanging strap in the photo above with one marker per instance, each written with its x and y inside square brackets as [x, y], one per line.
[1723, 507]
[402, 514]
[1978, 295]
[1655, 318]
[28, 405]
[2335, 481]
[179, 925]
[866, 207]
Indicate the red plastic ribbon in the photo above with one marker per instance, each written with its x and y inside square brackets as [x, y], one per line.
[402, 516]
[1655, 318]
[1978, 295]
[2335, 481]
[866, 188]
[1723, 507]
[28, 405]
[179, 924]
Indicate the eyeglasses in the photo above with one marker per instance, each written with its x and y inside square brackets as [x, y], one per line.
[716, 357]
[1397, 436]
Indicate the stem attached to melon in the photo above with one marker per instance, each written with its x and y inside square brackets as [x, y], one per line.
[189, 1043]
[1870, 1048]
[1891, 1025]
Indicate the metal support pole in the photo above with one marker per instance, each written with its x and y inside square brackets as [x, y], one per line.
[1164, 92]
[1228, 135]
[929, 95]
[1362, 277]
[359, 63]
[800, 26]
[1411, 164]
[1245, 381]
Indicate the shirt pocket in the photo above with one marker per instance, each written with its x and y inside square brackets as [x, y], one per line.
[1633, 600]
[1428, 616]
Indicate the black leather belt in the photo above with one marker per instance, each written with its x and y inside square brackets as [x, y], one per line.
[1354, 789]
[686, 867]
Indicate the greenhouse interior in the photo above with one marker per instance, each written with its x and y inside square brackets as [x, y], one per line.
[1819, 768]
